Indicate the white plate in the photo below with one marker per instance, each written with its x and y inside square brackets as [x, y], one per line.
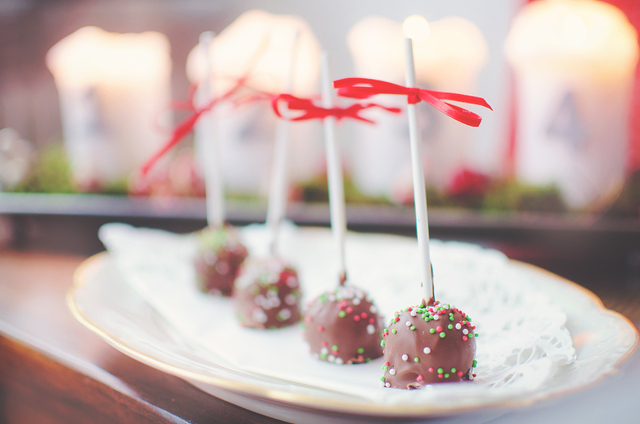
[106, 304]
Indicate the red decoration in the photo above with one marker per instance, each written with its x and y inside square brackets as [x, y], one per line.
[311, 111]
[186, 126]
[362, 88]
[468, 183]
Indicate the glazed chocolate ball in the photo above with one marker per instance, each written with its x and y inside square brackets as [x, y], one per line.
[267, 294]
[220, 254]
[343, 327]
[428, 344]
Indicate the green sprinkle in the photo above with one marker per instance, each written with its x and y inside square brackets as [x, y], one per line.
[368, 360]
[416, 359]
[323, 355]
[450, 326]
[432, 330]
[394, 331]
[446, 376]
[360, 350]
[386, 368]
[342, 314]
[440, 370]
[476, 335]
[475, 363]
[471, 335]
[451, 318]
[382, 378]
[453, 370]
[442, 335]
[413, 327]
[382, 343]
[334, 347]
[385, 330]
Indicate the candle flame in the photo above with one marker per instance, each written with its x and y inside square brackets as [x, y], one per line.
[574, 30]
[416, 27]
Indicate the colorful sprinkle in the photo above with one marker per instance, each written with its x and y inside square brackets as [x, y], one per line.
[426, 350]
[405, 357]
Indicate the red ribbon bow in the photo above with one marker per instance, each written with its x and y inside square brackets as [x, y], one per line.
[186, 126]
[312, 111]
[362, 88]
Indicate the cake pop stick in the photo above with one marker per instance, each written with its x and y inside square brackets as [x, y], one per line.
[334, 171]
[279, 182]
[206, 140]
[419, 193]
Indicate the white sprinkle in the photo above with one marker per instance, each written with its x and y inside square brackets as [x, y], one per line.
[405, 357]
[331, 358]
[373, 309]
[413, 313]
[259, 299]
[290, 299]
[339, 361]
[458, 326]
[332, 298]
[426, 350]
[284, 314]
[292, 281]
[223, 268]
[259, 316]
[371, 329]
[392, 371]
[324, 350]
[408, 323]
[356, 301]
[387, 384]
[436, 317]
[465, 331]
[210, 258]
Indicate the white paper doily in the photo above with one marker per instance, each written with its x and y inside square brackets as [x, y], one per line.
[523, 351]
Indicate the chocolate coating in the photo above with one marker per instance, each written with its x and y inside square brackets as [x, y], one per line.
[219, 257]
[267, 294]
[343, 327]
[425, 345]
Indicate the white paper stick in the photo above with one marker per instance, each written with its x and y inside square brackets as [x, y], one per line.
[207, 144]
[334, 171]
[419, 194]
[278, 189]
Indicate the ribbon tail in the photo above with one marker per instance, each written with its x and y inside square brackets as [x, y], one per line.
[181, 130]
[455, 112]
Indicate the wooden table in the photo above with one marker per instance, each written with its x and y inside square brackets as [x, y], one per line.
[53, 370]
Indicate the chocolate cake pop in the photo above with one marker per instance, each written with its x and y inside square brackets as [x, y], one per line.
[428, 344]
[220, 254]
[343, 327]
[267, 294]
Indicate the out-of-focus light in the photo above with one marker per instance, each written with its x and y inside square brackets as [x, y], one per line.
[416, 27]
[574, 30]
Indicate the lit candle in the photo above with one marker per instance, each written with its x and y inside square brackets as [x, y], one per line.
[111, 87]
[448, 60]
[416, 27]
[257, 44]
[574, 63]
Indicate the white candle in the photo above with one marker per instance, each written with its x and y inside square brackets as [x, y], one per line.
[450, 59]
[416, 26]
[111, 87]
[206, 145]
[334, 171]
[279, 184]
[574, 64]
[257, 42]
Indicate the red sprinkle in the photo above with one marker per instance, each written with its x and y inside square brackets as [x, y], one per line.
[325, 344]
[335, 352]
[440, 375]
[397, 319]
[308, 319]
[430, 369]
[349, 309]
[363, 315]
[409, 309]
[459, 373]
[464, 338]
[386, 363]
[372, 320]
[420, 378]
[356, 318]
[438, 329]
[320, 328]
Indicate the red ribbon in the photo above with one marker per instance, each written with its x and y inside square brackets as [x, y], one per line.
[362, 88]
[311, 111]
[186, 126]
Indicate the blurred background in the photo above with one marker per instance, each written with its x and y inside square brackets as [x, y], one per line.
[551, 176]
